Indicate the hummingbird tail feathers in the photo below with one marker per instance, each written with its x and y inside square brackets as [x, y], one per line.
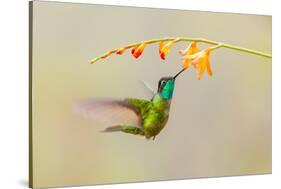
[126, 129]
[113, 129]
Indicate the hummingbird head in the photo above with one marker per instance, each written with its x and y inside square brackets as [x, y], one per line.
[166, 86]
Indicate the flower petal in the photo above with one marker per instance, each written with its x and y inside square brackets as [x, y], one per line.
[200, 61]
[138, 50]
[208, 66]
[191, 49]
[161, 44]
[165, 48]
[197, 58]
[182, 52]
[200, 70]
[137, 54]
[162, 55]
[133, 50]
[186, 62]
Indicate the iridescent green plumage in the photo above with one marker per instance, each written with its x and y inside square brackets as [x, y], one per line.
[154, 113]
[136, 116]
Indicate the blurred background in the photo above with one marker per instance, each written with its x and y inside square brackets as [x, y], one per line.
[218, 126]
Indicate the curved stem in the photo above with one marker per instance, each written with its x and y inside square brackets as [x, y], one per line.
[179, 39]
[246, 50]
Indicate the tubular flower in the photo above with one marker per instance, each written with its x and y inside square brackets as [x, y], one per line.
[191, 49]
[138, 50]
[161, 44]
[201, 60]
[121, 51]
[165, 49]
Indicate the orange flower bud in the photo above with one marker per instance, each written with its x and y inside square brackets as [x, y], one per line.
[165, 49]
[121, 51]
[161, 44]
[138, 50]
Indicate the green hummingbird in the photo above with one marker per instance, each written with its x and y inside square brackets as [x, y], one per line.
[136, 116]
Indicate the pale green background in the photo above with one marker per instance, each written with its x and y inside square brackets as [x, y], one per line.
[219, 126]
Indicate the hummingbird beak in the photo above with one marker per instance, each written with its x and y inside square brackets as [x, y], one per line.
[179, 73]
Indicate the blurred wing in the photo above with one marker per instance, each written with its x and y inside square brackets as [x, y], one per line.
[148, 89]
[109, 112]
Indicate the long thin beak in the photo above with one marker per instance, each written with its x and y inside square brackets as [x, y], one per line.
[179, 73]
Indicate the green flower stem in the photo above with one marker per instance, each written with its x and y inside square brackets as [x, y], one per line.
[218, 45]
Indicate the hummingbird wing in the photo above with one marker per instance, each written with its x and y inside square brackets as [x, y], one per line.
[150, 91]
[110, 112]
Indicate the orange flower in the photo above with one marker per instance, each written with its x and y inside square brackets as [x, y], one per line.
[191, 49]
[165, 49]
[200, 60]
[161, 44]
[138, 50]
[121, 50]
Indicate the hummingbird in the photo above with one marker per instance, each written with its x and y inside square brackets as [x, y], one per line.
[136, 116]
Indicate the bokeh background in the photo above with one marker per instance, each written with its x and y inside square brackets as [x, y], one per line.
[218, 126]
